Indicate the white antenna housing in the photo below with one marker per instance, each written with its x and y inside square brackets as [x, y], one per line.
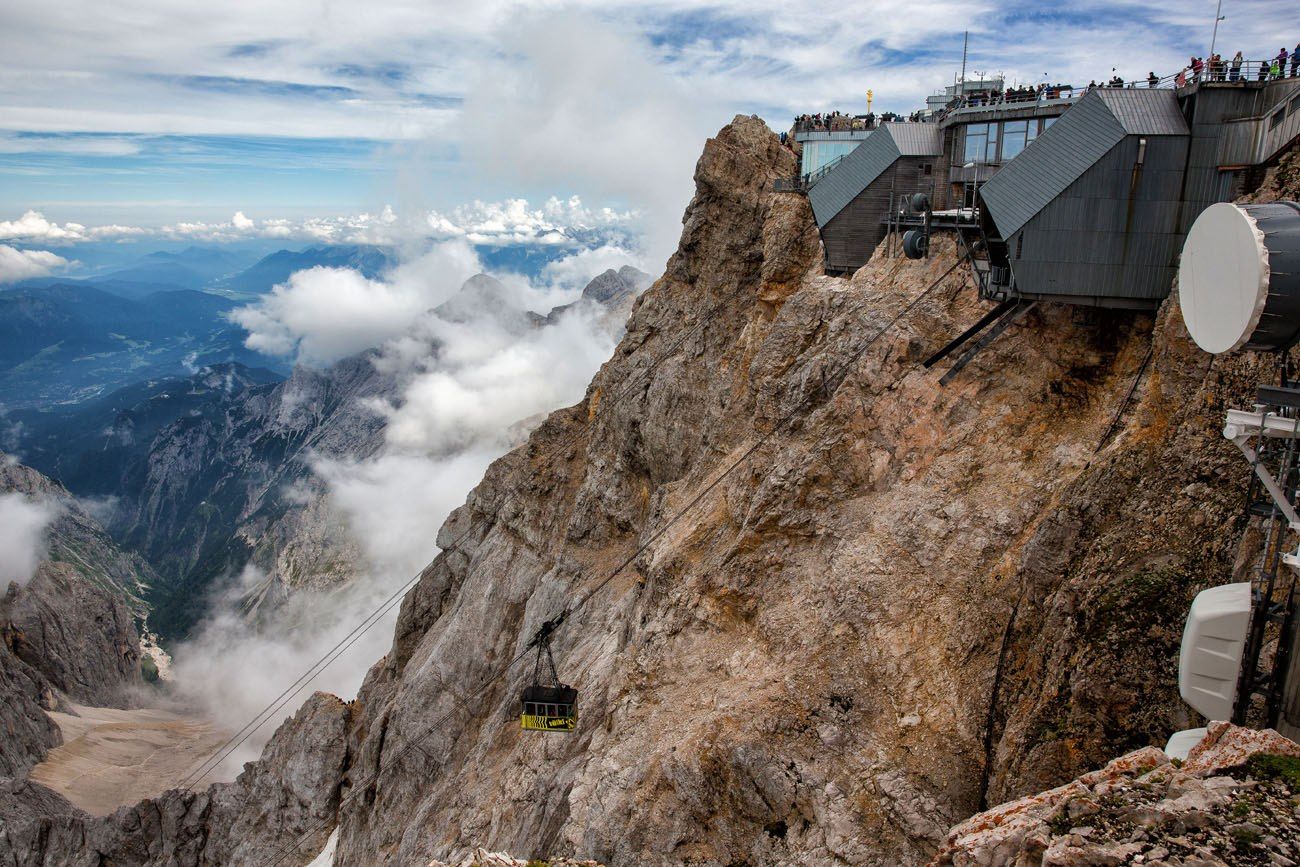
[1214, 641]
[1239, 277]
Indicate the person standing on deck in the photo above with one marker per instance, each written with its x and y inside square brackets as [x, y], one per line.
[1235, 72]
[1295, 60]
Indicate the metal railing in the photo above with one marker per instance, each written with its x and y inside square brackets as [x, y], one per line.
[821, 172]
[1048, 96]
[803, 183]
[1224, 71]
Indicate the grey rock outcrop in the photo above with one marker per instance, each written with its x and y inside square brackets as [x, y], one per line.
[79, 636]
[28, 733]
[610, 295]
[70, 631]
[1223, 807]
[290, 796]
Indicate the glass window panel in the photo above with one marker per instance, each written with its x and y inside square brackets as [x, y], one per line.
[1013, 138]
[976, 134]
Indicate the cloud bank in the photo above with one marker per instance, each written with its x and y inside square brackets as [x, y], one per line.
[22, 536]
[600, 117]
[324, 314]
[474, 375]
[22, 264]
[512, 221]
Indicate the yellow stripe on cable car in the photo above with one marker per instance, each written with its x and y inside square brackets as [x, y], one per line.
[539, 723]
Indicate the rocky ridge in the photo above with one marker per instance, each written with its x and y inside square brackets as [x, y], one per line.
[288, 795]
[907, 602]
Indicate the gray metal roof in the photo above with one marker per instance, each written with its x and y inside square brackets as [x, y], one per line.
[869, 161]
[1145, 112]
[1063, 152]
[916, 139]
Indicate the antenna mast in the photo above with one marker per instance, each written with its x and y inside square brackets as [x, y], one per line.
[1215, 36]
[965, 42]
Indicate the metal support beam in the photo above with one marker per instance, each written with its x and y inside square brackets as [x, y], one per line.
[1018, 308]
[984, 322]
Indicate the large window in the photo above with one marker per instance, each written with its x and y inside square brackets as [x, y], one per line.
[1016, 135]
[977, 135]
[1014, 138]
[817, 154]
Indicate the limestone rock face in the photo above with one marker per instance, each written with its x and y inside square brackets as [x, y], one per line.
[81, 637]
[801, 667]
[289, 797]
[28, 733]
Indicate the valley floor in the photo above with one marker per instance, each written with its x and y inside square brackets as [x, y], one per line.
[112, 758]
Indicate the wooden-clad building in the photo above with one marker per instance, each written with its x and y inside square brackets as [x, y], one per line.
[1095, 212]
[852, 202]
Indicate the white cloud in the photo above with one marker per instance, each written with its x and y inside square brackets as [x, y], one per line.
[234, 670]
[324, 314]
[469, 390]
[114, 146]
[22, 536]
[392, 69]
[32, 225]
[598, 117]
[23, 264]
[512, 221]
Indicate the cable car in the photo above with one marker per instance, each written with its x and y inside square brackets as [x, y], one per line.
[549, 706]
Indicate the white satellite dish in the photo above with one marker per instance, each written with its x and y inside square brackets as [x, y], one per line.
[1239, 278]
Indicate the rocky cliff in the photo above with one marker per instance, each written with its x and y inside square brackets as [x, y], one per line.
[69, 632]
[856, 605]
[288, 795]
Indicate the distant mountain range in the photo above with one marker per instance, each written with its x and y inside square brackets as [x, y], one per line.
[191, 268]
[277, 267]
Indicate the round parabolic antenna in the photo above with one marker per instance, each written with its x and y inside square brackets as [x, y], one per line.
[1223, 278]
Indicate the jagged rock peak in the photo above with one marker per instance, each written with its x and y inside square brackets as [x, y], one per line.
[611, 285]
[480, 295]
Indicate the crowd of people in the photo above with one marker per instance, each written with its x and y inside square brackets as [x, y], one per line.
[839, 122]
[1013, 94]
[1215, 68]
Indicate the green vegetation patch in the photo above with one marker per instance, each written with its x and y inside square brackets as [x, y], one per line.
[1268, 766]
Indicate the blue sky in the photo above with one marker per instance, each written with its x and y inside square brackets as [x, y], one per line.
[152, 113]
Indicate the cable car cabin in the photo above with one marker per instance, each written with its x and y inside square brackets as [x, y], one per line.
[549, 708]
